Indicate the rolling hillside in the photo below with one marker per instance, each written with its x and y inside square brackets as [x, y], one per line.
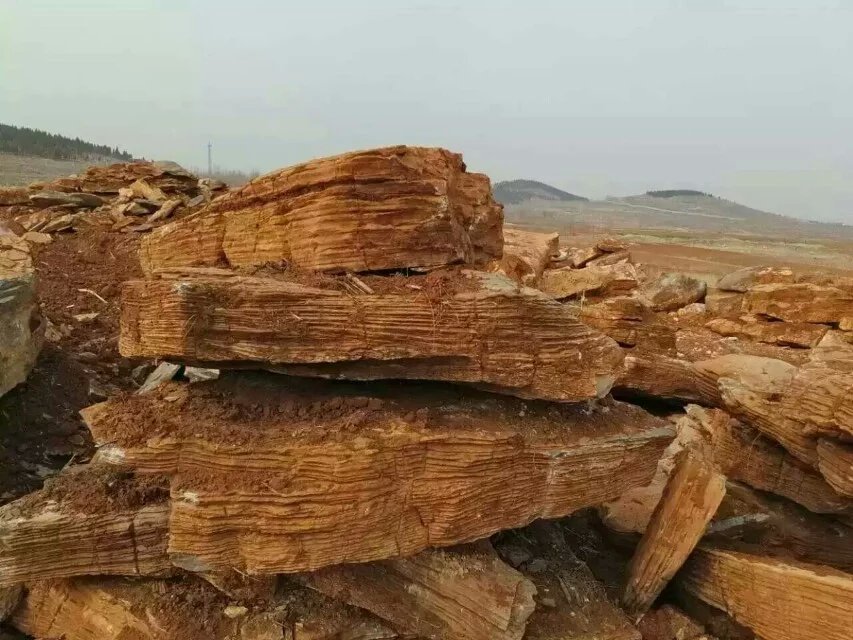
[520, 191]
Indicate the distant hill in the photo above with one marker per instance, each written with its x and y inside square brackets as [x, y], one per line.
[675, 211]
[672, 193]
[518, 191]
[23, 141]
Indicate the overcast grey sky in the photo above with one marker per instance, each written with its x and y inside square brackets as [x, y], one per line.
[752, 101]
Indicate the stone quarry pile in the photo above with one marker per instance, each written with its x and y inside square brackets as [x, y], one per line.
[379, 413]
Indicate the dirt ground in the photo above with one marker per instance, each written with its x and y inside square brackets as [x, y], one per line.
[40, 429]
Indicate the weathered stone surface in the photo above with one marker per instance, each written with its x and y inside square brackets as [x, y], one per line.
[527, 253]
[777, 599]
[835, 462]
[169, 177]
[724, 303]
[83, 525]
[688, 502]
[803, 302]
[630, 323]
[671, 623]
[610, 258]
[21, 328]
[10, 196]
[188, 609]
[10, 596]
[327, 475]
[15, 258]
[566, 283]
[464, 593]
[495, 334]
[744, 279]
[745, 456]
[672, 291]
[786, 334]
[391, 208]
[142, 189]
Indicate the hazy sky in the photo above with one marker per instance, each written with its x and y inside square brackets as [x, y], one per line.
[752, 101]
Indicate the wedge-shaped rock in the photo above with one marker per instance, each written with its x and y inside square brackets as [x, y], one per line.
[745, 456]
[745, 279]
[21, 328]
[91, 521]
[786, 334]
[389, 208]
[777, 599]
[630, 323]
[802, 302]
[187, 609]
[689, 501]
[571, 603]
[490, 332]
[527, 253]
[835, 461]
[461, 593]
[292, 478]
[615, 279]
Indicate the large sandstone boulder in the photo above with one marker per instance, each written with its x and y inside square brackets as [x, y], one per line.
[383, 209]
[21, 332]
[743, 280]
[801, 302]
[615, 279]
[672, 291]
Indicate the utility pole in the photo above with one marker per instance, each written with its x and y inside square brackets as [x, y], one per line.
[209, 161]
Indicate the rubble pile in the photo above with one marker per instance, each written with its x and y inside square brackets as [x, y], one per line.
[380, 414]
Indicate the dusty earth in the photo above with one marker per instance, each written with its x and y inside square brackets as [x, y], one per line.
[40, 429]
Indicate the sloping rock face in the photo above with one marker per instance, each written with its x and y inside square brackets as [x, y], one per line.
[391, 208]
[743, 280]
[672, 291]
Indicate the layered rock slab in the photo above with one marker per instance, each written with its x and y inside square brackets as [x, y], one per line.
[783, 600]
[390, 208]
[21, 328]
[479, 328]
[282, 479]
[464, 593]
[186, 609]
[86, 522]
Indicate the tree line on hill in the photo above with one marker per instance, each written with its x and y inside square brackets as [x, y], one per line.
[671, 193]
[33, 142]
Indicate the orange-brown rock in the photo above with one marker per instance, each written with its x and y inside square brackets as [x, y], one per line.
[745, 279]
[87, 522]
[481, 329]
[615, 279]
[630, 323]
[779, 600]
[527, 253]
[10, 196]
[835, 461]
[671, 623]
[689, 500]
[286, 477]
[743, 455]
[187, 609]
[671, 291]
[391, 208]
[786, 334]
[464, 593]
[610, 258]
[802, 302]
[167, 176]
[724, 303]
[570, 601]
